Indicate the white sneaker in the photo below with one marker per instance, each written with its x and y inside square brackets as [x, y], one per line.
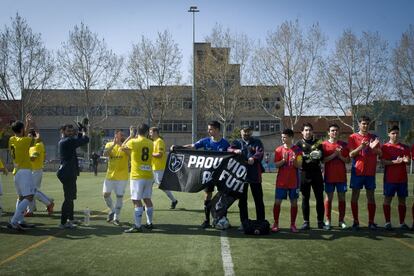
[342, 225]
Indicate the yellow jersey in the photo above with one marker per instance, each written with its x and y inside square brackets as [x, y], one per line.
[1, 165]
[19, 149]
[117, 163]
[39, 153]
[158, 163]
[141, 157]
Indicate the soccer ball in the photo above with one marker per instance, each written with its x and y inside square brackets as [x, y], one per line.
[222, 224]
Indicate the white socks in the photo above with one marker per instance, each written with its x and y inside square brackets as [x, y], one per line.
[170, 195]
[108, 201]
[118, 206]
[18, 215]
[149, 211]
[138, 216]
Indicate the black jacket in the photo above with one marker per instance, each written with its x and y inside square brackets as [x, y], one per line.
[69, 167]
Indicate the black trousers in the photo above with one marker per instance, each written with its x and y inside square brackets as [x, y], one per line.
[315, 181]
[69, 190]
[257, 193]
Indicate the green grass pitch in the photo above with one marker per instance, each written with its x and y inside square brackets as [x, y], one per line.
[179, 247]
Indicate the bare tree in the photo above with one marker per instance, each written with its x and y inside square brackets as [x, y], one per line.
[25, 65]
[155, 63]
[403, 62]
[86, 63]
[289, 58]
[355, 75]
[220, 70]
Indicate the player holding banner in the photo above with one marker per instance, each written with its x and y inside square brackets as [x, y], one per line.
[159, 158]
[395, 157]
[336, 154]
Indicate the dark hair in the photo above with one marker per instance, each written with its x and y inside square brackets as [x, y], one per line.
[394, 127]
[118, 130]
[155, 129]
[17, 126]
[333, 125]
[288, 132]
[215, 124]
[143, 129]
[364, 118]
[307, 125]
[65, 127]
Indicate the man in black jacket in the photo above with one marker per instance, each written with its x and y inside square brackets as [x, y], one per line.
[69, 170]
[252, 150]
[311, 175]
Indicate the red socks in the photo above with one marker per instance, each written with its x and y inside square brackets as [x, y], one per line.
[328, 208]
[371, 212]
[354, 207]
[342, 208]
[401, 212]
[293, 213]
[387, 212]
[276, 213]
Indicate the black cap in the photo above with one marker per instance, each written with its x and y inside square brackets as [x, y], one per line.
[246, 127]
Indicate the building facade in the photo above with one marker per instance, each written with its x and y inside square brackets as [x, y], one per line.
[169, 107]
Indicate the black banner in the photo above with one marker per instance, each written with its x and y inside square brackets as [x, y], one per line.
[192, 171]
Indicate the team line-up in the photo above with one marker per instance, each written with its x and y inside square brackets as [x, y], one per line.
[299, 170]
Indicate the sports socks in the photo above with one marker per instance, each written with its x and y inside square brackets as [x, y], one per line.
[170, 195]
[149, 212]
[328, 208]
[371, 212]
[402, 209]
[207, 209]
[42, 197]
[341, 208]
[387, 212]
[293, 214]
[18, 215]
[108, 201]
[118, 207]
[354, 207]
[276, 213]
[138, 215]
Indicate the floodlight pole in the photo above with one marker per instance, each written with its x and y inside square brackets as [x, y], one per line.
[194, 9]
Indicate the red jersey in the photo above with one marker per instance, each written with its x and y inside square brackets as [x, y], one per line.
[395, 173]
[335, 171]
[365, 163]
[288, 174]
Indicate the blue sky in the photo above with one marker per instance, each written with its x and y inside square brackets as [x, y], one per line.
[121, 23]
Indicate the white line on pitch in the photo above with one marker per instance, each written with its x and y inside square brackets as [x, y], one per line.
[226, 255]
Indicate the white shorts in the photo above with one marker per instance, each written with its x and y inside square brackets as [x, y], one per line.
[158, 176]
[118, 186]
[23, 182]
[140, 188]
[37, 178]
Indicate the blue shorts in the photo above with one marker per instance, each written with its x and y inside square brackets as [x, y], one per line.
[400, 188]
[281, 193]
[340, 187]
[361, 181]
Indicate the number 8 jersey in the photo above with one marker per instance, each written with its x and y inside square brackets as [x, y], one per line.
[141, 157]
